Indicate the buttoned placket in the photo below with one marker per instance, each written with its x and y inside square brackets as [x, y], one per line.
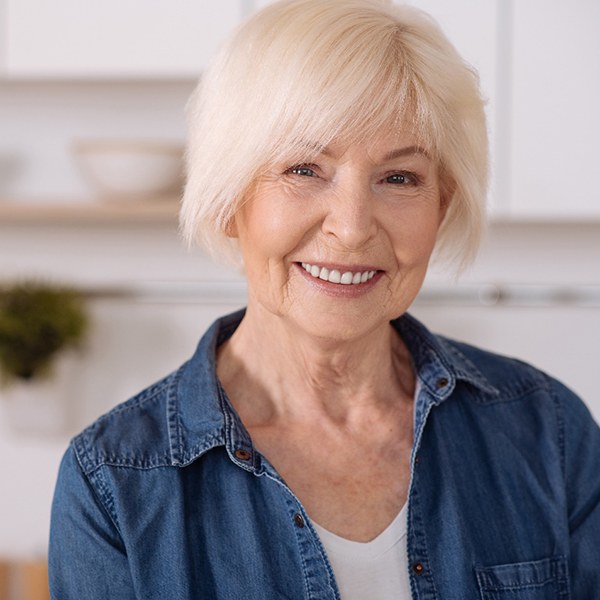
[419, 568]
[314, 558]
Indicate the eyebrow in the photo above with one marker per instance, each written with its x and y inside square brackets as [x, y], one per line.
[407, 151]
[391, 155]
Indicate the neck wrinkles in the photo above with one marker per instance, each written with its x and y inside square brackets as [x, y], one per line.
[294, 375]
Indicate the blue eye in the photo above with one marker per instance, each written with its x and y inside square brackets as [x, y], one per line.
[302, 170]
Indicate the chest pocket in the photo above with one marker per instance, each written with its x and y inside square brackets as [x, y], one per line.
[538, 580]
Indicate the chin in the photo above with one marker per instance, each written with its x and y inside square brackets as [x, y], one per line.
[339, 325]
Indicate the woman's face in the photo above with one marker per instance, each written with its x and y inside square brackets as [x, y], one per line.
[340, 246]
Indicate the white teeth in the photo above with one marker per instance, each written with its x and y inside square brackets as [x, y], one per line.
[334, 276]
[324, 274]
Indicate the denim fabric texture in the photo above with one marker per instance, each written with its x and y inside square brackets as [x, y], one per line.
[166, 498]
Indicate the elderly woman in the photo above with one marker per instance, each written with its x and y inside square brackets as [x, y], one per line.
[323, 444]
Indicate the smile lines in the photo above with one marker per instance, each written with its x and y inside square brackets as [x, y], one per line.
[335, 276]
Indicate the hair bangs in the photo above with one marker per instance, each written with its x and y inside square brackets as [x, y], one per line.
[367, 94]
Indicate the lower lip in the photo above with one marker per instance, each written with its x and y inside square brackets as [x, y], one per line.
[351, 290]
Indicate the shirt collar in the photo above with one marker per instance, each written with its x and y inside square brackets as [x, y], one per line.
[200, 416]
[438, 362]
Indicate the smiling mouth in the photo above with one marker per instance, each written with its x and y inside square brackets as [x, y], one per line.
[340, 277]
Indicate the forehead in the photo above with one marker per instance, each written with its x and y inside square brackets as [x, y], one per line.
[383, 145]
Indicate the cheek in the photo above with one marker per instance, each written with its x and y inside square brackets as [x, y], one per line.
[269, 229]
[414, 235]
[283, 219]
[278, 227]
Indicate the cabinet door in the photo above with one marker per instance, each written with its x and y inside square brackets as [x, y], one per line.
[114, 38]
[555, 110]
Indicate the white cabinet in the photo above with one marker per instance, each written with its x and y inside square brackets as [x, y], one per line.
[537, 59]
[555, 112]
[114, 38]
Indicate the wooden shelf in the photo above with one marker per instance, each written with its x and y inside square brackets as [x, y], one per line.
[155, 210]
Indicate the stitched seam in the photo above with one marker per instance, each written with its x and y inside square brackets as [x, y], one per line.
[173, 424]
[475, 376]
[517, 586]
[560, 426]
[515, 396]
[89, 476]
[556, 577]
[105, 497]
[518, 398]
[432, 592]
[123, 465]
[429, 346]
[307, 586]
[136, 464]
[324, 557]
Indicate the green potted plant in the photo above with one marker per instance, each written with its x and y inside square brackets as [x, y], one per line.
[38, 322]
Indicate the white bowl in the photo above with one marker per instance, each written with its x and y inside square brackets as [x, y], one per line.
[120, 169]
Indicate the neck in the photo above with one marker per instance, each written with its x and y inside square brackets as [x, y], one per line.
[293, 375]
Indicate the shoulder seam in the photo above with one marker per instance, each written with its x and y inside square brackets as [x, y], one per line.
[99, 489]
[81, 441]
[173, 425]
[560, 425]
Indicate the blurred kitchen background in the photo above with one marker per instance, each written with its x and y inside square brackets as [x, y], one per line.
[78, 78]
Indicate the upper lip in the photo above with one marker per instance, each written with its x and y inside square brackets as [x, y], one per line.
[340, 268]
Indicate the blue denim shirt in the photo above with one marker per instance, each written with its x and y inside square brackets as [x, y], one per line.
[165, 497]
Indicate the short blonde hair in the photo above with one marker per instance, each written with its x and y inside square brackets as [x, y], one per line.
[316, 70]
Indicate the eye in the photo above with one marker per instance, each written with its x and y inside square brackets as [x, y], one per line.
[302, 170]
[402, 178]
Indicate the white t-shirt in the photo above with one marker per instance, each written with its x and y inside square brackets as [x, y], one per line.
[377, 570]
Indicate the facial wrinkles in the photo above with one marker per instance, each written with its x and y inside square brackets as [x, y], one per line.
[346, 185]
[279, 284]
[327, 251]
[330, 247]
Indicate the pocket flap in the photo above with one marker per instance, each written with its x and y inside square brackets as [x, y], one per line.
[519, 576]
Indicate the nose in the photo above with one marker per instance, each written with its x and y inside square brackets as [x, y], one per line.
[350, 216]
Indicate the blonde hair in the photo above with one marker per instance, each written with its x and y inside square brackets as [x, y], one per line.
[316, 70]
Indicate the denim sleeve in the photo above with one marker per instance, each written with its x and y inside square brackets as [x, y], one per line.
[86, 554]
[582, 477]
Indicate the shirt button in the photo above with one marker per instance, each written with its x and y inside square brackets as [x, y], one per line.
[299, 520]
[242, 454]
[442, 382]
[418, 568]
